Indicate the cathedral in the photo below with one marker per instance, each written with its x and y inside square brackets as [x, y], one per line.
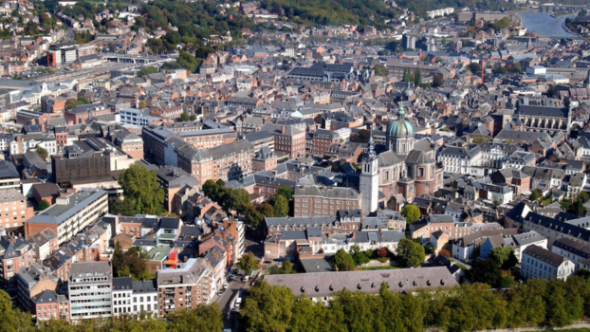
[405, 170]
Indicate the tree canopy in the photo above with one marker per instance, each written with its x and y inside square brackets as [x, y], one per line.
[248, 263]
[146, 71]
[131, 263]
[142, 191]
[411, 213]
[410, 253]
[342, 261]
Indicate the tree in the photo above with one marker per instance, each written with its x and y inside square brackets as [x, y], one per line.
[411, 213]
[382, 252]
[43, 205]
[83, 100]
[484, 271]
[141, 188]
[71, 103]
[281, 205]
[445, 253]
[410, 253]
[358, 256]
[268, 308]
[380, 70]
[211, 189]
[142, 105]
[418, 76]
[286, 268]
[42, 152]
[123, 207]
[286, 191]
[267, 210]
[248, 263]
[130, 263]
[474, 67]
[504, 257]
[192, 117]
[236, 200]
[408, 77]
[184, 117]
[206, 317]
[583, 12]
[536, 195]
[342, 261]
[146, 71]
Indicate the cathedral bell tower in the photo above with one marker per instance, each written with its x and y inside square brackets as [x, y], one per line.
[369, 180]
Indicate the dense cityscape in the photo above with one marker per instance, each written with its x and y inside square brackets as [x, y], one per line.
[281, 165]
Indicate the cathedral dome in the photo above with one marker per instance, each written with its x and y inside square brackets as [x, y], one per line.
[401, 127]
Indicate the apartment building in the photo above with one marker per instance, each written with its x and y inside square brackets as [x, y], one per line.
[70, 214]
[134, 297]
[313, 201]
[575, 252]
[15, 254]
[49, 305]
[130, 143]
[319, 141]
[289, 140]
[14, 209]
[90, 290]
[541, 263]
[9, 176]
[209, 138]
[186, 286]
[555, 228]
[231, 161]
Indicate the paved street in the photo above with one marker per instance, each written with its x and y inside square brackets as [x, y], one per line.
[225, 303]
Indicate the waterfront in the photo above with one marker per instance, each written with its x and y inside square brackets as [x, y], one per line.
[544, 25]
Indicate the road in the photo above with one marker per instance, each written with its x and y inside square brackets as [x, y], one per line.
[225, 304]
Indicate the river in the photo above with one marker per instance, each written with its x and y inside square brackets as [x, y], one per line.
[544, 25]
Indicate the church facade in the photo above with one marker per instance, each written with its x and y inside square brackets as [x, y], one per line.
[405, 170]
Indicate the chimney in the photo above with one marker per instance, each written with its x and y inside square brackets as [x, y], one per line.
[282, 129]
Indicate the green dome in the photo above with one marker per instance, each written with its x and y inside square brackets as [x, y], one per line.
[401, 127]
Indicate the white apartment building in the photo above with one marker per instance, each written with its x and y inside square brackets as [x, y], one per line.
[70, 214]
[541, 263]
[90, 290]
[138, 117]
[134, 298]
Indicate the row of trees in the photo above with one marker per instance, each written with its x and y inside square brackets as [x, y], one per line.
[203, 318]
[238, 200]
[465, 308]
[415, 77]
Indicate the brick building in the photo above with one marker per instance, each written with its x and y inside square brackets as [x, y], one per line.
[186, 286]
[227, 162]
[314, 201]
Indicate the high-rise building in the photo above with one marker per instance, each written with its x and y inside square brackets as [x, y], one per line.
[90, 290]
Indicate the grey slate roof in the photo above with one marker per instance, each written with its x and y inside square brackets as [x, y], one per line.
[544, 255]
[323, 284]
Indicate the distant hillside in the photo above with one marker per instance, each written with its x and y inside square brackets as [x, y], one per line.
[421, 6]
[333, 12]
